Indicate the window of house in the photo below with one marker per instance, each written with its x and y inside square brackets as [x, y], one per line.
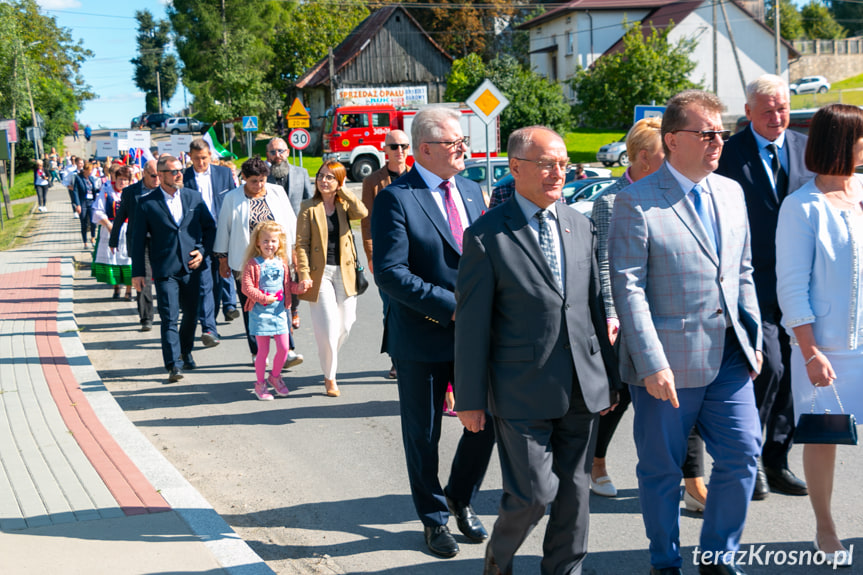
[570, 43]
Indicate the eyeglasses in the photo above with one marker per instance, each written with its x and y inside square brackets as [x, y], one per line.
[172, 172]
[395, 147]
[547, 165]
[455, 143]
[326, 177]
[277, 151]
[708, 135]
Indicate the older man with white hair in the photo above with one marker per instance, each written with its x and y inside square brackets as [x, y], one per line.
[767, 160]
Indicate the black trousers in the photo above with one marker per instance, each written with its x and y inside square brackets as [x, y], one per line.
[178, 293]
[773, 393]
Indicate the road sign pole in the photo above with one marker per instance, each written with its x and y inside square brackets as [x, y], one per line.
[487, 159]
[301, 158]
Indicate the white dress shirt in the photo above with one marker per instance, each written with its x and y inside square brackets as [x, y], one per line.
[175, 205]
[433, 182]
[205, 186]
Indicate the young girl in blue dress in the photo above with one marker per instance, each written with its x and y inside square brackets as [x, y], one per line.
[267, 284]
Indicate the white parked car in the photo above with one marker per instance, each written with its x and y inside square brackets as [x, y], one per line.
[612, 153]
[183, 124]
[810, 85]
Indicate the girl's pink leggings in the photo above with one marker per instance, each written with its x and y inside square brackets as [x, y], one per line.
[282, 346]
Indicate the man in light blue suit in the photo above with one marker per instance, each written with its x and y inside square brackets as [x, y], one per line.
[212, 182]
[679, 251]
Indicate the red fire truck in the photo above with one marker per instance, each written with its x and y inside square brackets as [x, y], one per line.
[354, 135]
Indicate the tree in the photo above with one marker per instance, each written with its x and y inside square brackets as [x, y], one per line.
[226, 50]
[532, 98]
[300, 43]
[790, 20]
[849, 15]
[819, 23]
[153, 39]
[648, 69]
[464, 27]
[31, 40]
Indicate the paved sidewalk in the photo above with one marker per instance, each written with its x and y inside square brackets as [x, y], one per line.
[81, 490]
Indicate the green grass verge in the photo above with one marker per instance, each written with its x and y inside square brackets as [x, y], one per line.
[23, 187]
[18, 228]
[847, 91]
[583, 144]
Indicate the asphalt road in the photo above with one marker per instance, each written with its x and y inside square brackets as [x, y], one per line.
[318, 485]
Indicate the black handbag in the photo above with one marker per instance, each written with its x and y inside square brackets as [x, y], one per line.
[827, 428]
[362, 284]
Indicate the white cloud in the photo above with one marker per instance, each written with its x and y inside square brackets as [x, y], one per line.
[58, 4]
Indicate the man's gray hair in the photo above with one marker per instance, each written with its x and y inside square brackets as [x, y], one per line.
[427, 124]
[766, 85]
[164, 160]
[522, 139]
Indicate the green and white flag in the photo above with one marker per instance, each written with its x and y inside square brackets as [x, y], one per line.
[215, 147]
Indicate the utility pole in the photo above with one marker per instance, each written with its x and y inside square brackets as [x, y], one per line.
[37, 139]
[776, 31]
[158, 89]
[715, 52]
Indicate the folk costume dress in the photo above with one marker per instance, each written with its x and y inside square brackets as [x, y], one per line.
[110, 268]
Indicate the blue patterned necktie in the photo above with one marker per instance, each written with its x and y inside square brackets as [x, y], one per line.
[546, 244]
[703, 215]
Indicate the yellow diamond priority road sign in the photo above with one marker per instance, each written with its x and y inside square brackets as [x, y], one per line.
[487, 101]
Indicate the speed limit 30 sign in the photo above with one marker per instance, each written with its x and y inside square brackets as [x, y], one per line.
[299, 139]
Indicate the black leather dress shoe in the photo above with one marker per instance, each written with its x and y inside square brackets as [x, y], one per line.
[490, 567]
[175, 375]
[720, 570]
[761, 488]
[666, 571]
[783, 481]
[467, 520]
[188, 363]
[440, 541]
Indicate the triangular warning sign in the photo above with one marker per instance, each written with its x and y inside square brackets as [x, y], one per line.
[251, 124]
[298, 110]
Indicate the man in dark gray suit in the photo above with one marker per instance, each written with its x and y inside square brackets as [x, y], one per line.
[531, 346]
[767, 160]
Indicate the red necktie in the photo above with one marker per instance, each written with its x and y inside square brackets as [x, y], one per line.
[452, 214]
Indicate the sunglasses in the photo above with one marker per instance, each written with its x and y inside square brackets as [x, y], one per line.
[278, 151]
[395, 147]
[708, 135]
[172, 172]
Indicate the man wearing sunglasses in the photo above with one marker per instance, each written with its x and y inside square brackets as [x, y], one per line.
[417, 229]
[182, 232]
[396, 146]
[767, 160]
[681, 272]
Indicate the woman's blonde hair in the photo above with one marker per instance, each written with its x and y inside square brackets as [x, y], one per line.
[268, 226]
[644, 135]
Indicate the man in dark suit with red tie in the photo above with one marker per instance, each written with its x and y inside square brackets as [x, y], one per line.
[417, 228]
[767, 160]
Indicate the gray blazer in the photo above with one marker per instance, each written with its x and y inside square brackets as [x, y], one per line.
[520, 344]
[296, 184]
[671, 291]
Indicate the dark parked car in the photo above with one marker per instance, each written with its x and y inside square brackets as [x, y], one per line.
[154, 121]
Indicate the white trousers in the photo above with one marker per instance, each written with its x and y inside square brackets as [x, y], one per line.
[332, 317]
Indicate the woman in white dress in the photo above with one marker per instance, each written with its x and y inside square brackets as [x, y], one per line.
[819, 273]
[112, 266]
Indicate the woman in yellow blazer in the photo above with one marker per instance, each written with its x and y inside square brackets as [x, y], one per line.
[326, 264]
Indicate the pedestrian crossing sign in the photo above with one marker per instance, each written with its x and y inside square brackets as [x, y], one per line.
[250, 123]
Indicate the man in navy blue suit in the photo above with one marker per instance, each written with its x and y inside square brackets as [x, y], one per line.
[417, 227]
[767, 160]
[213, 182]
[182, 232]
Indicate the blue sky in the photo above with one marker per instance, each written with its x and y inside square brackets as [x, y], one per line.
[108, 29]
